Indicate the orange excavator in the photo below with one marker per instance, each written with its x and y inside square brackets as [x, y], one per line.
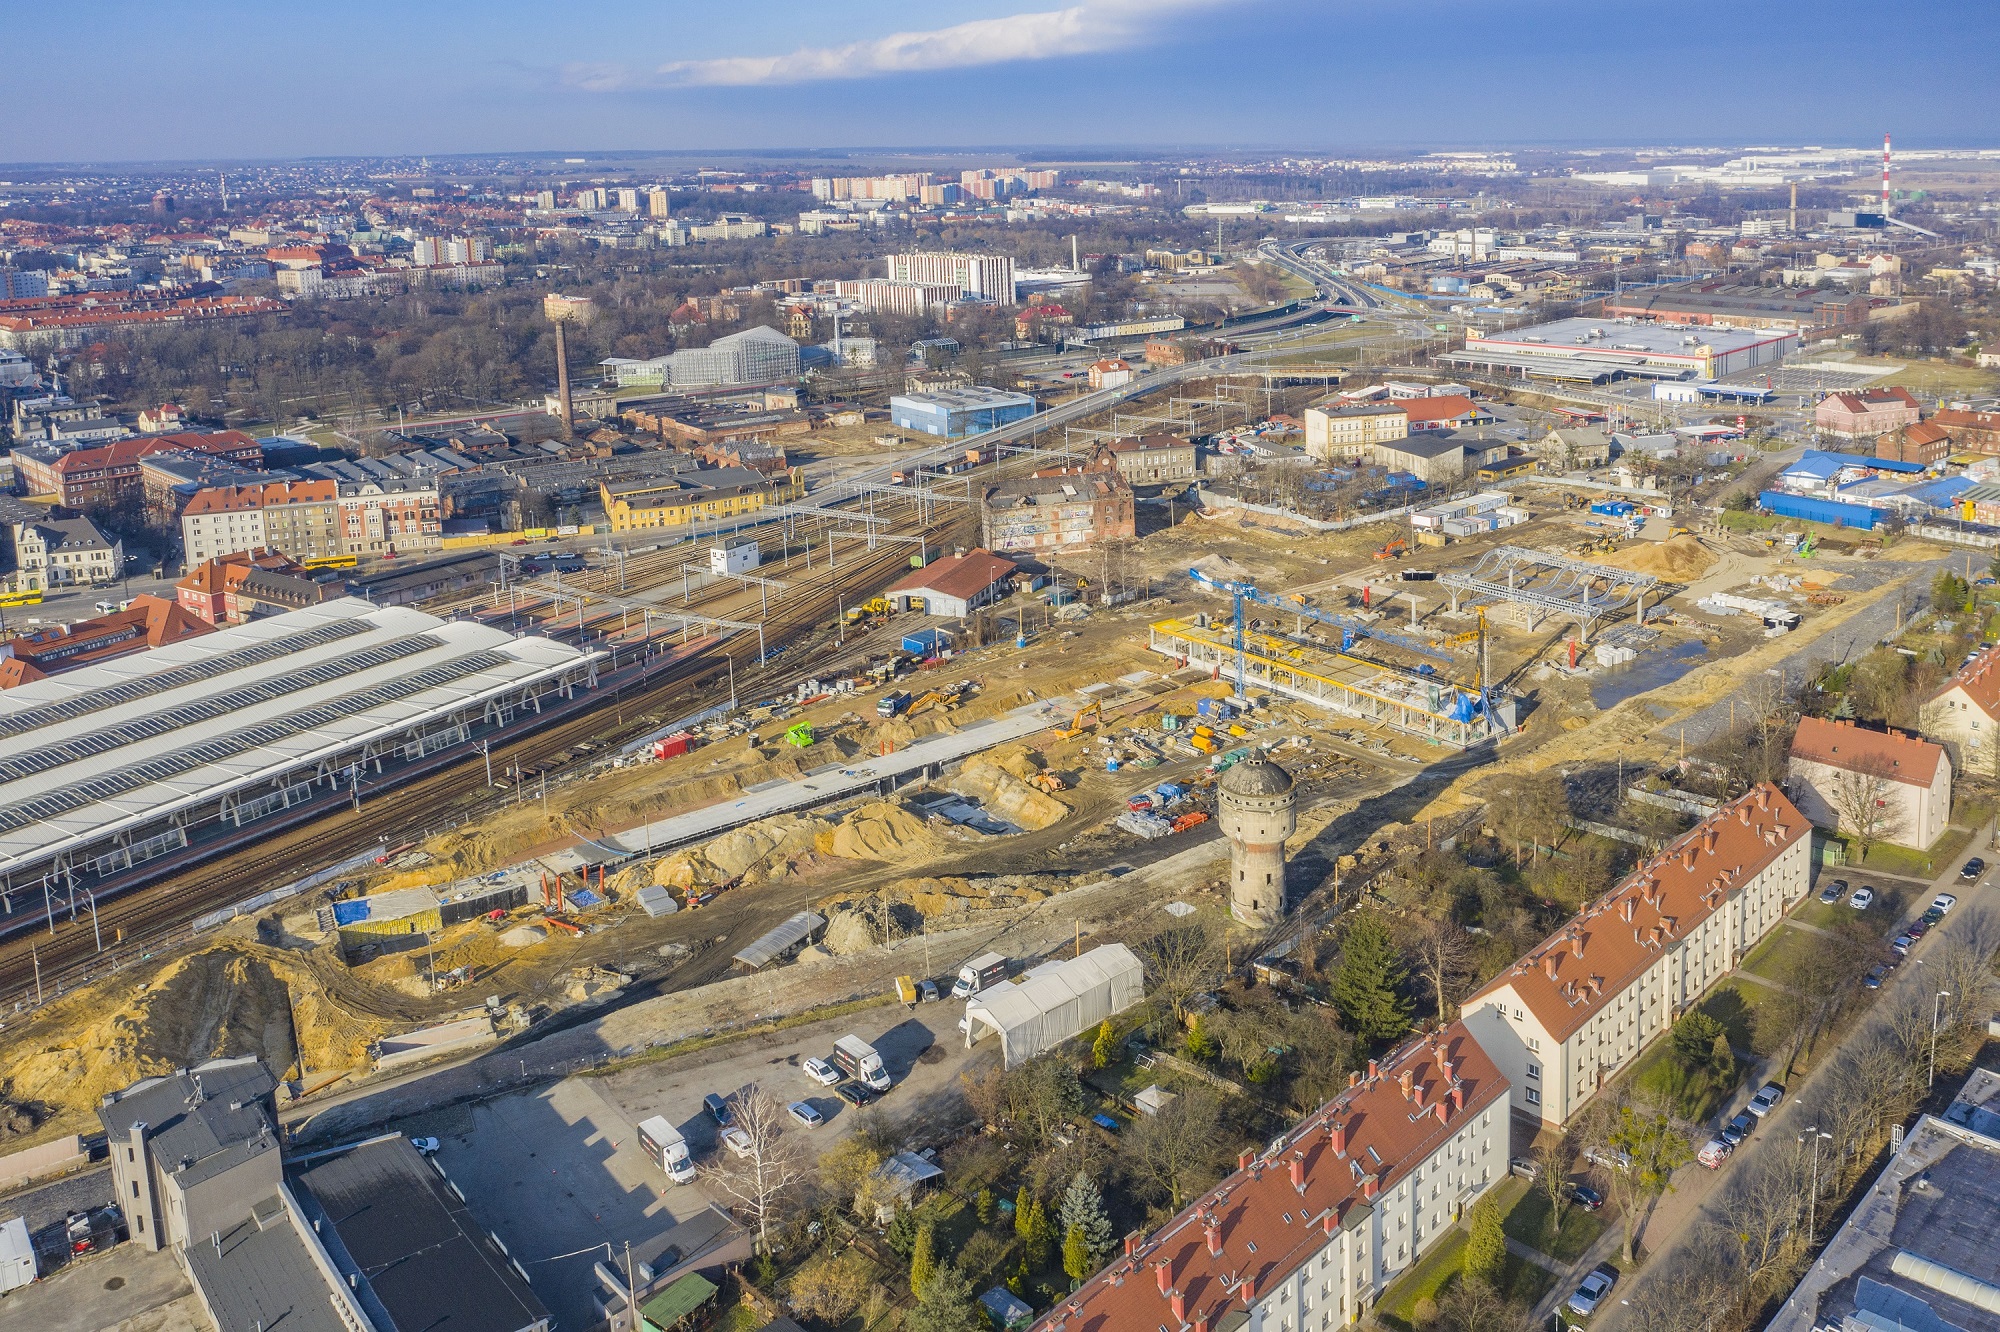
[1394, 550]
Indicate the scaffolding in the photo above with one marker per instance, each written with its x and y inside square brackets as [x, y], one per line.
[1530, 586]
[1426, 707]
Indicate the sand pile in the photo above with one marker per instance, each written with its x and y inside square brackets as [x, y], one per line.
[883, 831]
[1680, 559]
[940, 900]
[995, 780]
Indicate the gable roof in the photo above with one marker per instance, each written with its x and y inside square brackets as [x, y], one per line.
[1980, 677]
[1865, 400]
[1280, 1206]
[962, 576]
[1585, 966]
[1890, 754]
[1444, 407]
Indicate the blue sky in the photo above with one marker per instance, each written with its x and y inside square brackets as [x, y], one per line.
[227, 79]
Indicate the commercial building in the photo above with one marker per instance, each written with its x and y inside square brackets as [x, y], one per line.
[64, 552]
[1964, 715]
[109, 474]
[1153, 460]
[148, 756]
[193, 1152]
[1350, 431]
[1444, 411]
[705, 495]
[955, 585]
[145, 622]
[1923, 442]
[1571, 447]
[1596, 351]
[758, 355]
[1917, 1251]
[244, 584]
[889, 296]
[1720, 305]
[1308, 1232]
[1109, 374]
[1433, 459]
[1574, 1012]
[1885, 785]
[989, 276]
[954, 412]
[1068, 510]
[1866, 412]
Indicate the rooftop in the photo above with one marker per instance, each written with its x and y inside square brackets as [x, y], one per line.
[961, 576]
[968, 396]
[262, 1273]
[199, 1121]
[1889, 754]
[1572, 335]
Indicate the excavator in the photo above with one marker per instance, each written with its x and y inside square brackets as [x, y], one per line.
[1083, 716]
[947, 698]
[1394, 550]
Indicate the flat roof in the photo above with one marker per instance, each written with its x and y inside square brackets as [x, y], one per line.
[1573, 336]
[115, 747]
[260, 1273]
[973, 395]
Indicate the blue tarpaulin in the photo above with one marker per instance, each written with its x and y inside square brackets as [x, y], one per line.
[1812, 510]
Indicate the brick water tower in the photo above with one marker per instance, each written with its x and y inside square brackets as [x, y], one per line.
[1258, 810]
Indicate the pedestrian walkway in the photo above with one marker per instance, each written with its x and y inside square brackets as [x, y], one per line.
[1528, 1253]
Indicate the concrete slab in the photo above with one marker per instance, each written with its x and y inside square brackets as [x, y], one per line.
[126, 1286]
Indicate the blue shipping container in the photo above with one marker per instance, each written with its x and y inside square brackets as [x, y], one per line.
[1861, 516]
[926, 641]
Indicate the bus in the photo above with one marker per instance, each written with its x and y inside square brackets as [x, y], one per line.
[332, 562]
[24, 598]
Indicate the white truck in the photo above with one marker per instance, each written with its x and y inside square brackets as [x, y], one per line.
[986, 970]
[858, 1059]
[668, 1150]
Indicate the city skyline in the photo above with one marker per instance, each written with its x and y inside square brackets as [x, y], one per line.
[444, 78]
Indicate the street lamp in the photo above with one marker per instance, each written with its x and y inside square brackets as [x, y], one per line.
[1812, 1199]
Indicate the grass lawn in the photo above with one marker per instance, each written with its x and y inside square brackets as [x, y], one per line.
[1768, 958]
[1736, 1004]
[1945, 377]
[1911, 863]
[1398, 1305]
[1528, 1222]
[1524, 1282]
[1659, 1079]
[740, 1318]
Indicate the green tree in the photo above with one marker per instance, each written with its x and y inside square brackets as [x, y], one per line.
[945, 1305]
[1041, 1233]
[923, 1261]
[1082, 1211]
[1200, 1045]
[1368, 988]
[1694, 1038]
[1104, 1050]
[1721, 1058]
[1486, 1249]
[902, 1233]
[1024, 1204]
[982, 1206]
[1076, 1255]
[1655, 1149]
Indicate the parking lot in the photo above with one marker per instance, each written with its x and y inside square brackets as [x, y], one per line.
[558, 1175]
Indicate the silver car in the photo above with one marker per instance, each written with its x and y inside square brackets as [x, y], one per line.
[1593, 1290]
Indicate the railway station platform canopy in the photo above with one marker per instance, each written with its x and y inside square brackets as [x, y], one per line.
[109, 766]
[1056, 1001]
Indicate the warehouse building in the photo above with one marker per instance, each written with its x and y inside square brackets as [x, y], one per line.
[953, 412]
[1596, 351]
[147, 758]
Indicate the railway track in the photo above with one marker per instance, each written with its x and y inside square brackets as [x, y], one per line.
[153, 918]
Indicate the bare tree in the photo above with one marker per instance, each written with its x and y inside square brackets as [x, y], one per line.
[1764, 1211]
[1176, 1149]
[1698, 1287]
[1181, 962]
[1472, 1305]
[1556, 1155]
[1440, 952]
[760, 1178]
[1869, 806]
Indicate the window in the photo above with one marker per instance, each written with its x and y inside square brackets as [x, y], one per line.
[1534, 1070]
[1534, 1042]
[1534, 1097]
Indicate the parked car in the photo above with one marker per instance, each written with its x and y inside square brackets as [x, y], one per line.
[77, 1228]
[1611, 1158]
[424, 1146]
[1737, 1129]
[718, 1110]
[820, 1071]
[1917, 929]
[1862, 899]
[1832, 892]
[1972, 869]
[1767, 1099]
[1525, 1168]
[1931, 917]
[802, 1112]
[854, 1094]
[1714, 1152]
[1876, 975]
[1943, 902]
[737, 1141]
[1592, 1291]
[1587, 1198]
[1900, 945]
[927, 992]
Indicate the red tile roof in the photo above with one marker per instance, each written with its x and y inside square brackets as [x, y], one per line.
[962, 576]
[1610, 943]
[1890, 754]
[1444, 407]
[126, 452]
[1867, 399]
[1980, 679]
[149, 622]
[237, 499]
[1288, 1200]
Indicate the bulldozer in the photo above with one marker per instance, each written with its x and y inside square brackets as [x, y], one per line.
[1048, 782]
[801, 734]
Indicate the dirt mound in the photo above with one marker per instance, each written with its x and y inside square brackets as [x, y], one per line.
[880, 830]
[1680, 559]
[995, 779]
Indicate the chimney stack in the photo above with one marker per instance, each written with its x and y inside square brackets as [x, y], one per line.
[1354, 1079]
[1178, 1303]
[1373, 1071]
[1164, 1277]
[1212, 1231]
[1370, 1186]
[1338, 1137]
[1403, 1080]
[1441, 1112]
[1549, 963]
[1417, 1095]
[1133, 1239]
[1458, 1097]
[1576, 943]
[1299, 1171]
[1246, 1158]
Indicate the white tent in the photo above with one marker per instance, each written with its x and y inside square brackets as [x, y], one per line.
[1056, 1001]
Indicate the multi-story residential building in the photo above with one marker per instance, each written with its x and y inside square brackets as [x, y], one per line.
[1924, 442]
[1844, 776]
[1153, 460]
[64, 552]
[986, 275]
[1350, 432]
[891, 296]
[304, 519]
[1063, 510]
[1964, 714]
[1971, 432]
[1866, 412]
[659, 204]
[1566, 1018]
[390, 514]
[1111, 373]
[1306, 1234]
[694, 497]
[109, 474]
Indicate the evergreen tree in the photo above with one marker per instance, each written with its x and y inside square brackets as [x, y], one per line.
[945, 1305]
[1104, 1050]
[983, 1207]
[1023, 1204]
[1082, 1210]
[1200, 1045]
[1076, 1256]
[923, 1262]
[1486, 1249]
[1041, 1233]
[1368, 988]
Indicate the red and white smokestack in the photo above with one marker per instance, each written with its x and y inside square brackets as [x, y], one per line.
[1885, 175]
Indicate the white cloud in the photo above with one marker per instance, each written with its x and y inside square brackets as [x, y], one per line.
[1081, 29]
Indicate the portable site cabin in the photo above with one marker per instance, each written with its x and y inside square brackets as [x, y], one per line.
[1056, 1001]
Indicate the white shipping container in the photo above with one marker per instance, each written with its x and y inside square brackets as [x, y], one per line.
[17, 1255]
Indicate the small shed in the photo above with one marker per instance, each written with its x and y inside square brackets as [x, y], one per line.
[673, 1307]
[903, 1177]
[790, 936]
[1056, 1001]
[1152, 1100]
[1006, 1309]
[17, 1255]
